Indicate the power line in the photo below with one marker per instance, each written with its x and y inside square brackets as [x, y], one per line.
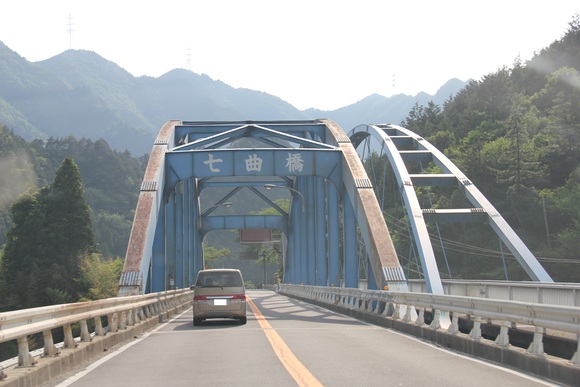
[452, 245]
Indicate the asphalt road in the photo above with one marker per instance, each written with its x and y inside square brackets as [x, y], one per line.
[286, 343]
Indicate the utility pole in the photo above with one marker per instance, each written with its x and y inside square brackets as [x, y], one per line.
[264, 262]
[70, 31]
[546, 222]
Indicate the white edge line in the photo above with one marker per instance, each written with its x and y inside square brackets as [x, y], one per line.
[467, 357]
[108, 357]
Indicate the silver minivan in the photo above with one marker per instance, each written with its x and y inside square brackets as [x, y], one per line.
[219, 293]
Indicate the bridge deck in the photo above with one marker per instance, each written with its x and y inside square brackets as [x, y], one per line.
[319, 346]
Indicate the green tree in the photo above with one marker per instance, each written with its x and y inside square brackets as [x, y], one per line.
[112, 233]
[211, 255]
[19, 269]
[559, 102]
[103, 276]
[42, 262]
[424, 120]
[68, 234]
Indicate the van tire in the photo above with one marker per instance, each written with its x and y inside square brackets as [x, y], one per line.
[243, 320]
[197, 322]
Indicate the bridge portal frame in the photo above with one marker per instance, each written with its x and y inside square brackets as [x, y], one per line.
[169, 221]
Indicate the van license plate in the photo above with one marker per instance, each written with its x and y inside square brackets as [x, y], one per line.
[220, 301]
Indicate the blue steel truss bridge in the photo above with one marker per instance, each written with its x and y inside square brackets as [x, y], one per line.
[335, 231]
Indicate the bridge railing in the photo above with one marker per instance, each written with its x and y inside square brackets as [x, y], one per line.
[117, 312]
[534, 292]
[411, 307]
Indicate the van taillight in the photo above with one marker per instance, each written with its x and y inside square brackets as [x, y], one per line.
[239, 297]
[199, 298]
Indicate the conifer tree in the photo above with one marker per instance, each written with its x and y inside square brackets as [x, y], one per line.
[67, 231]
[51, 233]
[18, 269]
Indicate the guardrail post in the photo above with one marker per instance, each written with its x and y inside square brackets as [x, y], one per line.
[436, 323]
[123, 320]
[362, 303]
[454, 327]
[377, 309]
[113, 322]
[85, 335]
[420, 317]
[576, 358]
[369, 307]
[148, 311]
[69, 340]
[389, 309]
[537, 346]
[24, 357]
[475, 333]
[49, 347]
[408, 314]
[397, 312]
[129, 317]
[99, 331]
[503, 339]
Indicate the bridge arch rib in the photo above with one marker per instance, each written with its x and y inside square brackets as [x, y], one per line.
[334, 204]
[400, 146]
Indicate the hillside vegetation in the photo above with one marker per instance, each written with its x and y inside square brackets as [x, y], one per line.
[111, 182]
[516, 134]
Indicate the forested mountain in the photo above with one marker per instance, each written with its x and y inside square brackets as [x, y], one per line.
[111, 182]
[79, 93]
[377, 109]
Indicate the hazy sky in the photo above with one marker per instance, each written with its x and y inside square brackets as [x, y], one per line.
[322, 54]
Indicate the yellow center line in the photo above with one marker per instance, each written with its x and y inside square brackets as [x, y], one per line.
[295, 368]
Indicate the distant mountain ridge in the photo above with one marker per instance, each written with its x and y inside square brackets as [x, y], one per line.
[377, 109]
[80, 93]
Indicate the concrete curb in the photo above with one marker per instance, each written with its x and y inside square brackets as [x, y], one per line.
[49, 368]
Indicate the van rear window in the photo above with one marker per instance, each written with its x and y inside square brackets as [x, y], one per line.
[220, 280]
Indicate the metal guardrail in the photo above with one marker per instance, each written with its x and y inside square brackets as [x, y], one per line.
[119, 313]
[412, 306]
[567, 294]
